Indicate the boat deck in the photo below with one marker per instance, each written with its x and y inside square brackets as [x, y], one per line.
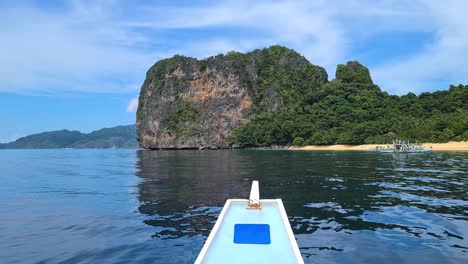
[221, 246]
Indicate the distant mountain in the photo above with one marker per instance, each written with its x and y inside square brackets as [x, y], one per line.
[114, 137]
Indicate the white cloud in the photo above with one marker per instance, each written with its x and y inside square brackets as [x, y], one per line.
[102, 46]
[133, 105]
[78, 49]
[444, 59]
[306, 26]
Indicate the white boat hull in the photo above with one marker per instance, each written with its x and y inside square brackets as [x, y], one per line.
[222, 246]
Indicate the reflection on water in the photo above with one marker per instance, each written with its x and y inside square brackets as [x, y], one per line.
[345, 207]
[109, 206]
[184, 191]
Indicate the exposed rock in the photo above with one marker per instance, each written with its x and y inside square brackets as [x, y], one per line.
[236, 146]
[353, 71]
[189, 103]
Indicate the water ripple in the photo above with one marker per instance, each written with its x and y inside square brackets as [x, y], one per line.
[126, 206]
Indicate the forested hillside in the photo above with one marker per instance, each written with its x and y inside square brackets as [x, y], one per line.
[352, 110]
[114, 137]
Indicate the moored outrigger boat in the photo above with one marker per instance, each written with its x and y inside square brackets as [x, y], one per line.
[401, 146]
[251, 231]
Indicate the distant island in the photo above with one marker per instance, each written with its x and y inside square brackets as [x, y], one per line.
[275, 96]
[114, 137]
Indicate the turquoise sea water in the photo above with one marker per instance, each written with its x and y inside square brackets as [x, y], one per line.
[136, 206]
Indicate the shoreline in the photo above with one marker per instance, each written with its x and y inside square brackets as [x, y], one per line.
[449, 146]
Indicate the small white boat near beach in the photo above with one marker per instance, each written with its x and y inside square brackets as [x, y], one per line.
[401, 146]
[251, 231]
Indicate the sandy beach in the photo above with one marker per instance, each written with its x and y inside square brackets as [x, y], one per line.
[450, 146]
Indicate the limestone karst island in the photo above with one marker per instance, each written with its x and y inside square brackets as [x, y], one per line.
[275, 96]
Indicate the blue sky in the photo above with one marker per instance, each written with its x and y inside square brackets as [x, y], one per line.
[80, 64]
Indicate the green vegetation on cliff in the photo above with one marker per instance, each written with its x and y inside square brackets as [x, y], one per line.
[276, 96]
[352, 110]
[190, 103]
[278, 70]
[115, 137]
[184, 113]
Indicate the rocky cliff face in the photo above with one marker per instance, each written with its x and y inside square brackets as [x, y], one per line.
[353, 71]
[190, 103]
